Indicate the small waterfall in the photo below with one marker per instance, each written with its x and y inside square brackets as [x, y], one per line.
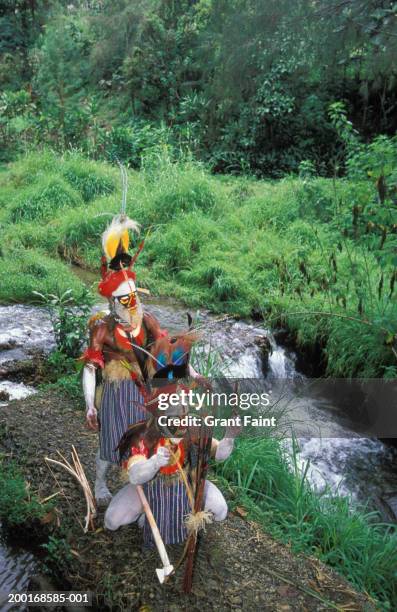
[281, 364]
[362, 468]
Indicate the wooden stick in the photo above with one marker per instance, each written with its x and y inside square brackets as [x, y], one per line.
[167, 568]
[202, 466]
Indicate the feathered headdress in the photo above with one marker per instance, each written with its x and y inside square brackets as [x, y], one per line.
[116, 263]
[116, 240]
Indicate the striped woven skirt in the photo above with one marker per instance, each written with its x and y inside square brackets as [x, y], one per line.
[121, 406]
[170, 505]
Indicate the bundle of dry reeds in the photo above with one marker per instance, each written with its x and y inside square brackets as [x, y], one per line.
[77, 471]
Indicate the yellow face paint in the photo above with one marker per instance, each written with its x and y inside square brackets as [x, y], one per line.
[128, 301]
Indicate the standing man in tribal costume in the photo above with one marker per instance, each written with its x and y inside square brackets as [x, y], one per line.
[117, 350]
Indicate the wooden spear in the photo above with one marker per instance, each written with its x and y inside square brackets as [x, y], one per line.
[204, 450]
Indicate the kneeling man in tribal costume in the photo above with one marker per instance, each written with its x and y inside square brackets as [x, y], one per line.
[163, 460]
[156, 462]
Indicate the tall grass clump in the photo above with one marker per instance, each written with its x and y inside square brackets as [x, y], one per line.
[275, 489]
[171, 189]
[31, 168]
[18, 505]
[24, 272]
[43, 199]
[79, 231]
[90, 179]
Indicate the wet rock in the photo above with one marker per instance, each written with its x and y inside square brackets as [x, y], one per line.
[29, 370]
[13, 355]
[16, 370]
[266, 350]
[7, 345]
[4, 396]
[283, 336]
[388, 504]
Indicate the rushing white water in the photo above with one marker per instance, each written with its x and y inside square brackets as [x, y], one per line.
[25, 327]
[362, 468]
[14, 391]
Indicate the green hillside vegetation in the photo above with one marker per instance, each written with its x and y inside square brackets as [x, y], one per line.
[314, 254]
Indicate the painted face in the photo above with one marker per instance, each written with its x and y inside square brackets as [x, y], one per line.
[129, 300]
[126, 304]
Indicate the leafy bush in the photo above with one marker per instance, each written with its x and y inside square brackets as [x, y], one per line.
[58, 551]
[71, 386]
[69, 317]
[62, 372]
[130, 142]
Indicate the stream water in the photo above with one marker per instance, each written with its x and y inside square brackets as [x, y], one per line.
[365, 469]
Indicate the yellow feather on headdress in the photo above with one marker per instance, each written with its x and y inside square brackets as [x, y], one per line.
[116, 235]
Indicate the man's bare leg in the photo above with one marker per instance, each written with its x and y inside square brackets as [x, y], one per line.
[125, 508]
[102, 493]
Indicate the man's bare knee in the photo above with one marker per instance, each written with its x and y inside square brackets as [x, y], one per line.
[215, 502]
[220, 509]
[124, 508]
[111, 521]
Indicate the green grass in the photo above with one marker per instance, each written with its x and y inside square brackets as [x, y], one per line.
[349, 539]
[24, 271]
[39, 202]
[231, 244]
[17, 505]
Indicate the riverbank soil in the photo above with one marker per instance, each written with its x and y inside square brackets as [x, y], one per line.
[238, 567]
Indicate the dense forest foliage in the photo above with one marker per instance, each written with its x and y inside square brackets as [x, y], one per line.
[246, 85]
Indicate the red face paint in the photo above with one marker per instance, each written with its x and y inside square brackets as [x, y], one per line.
[128, 300]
